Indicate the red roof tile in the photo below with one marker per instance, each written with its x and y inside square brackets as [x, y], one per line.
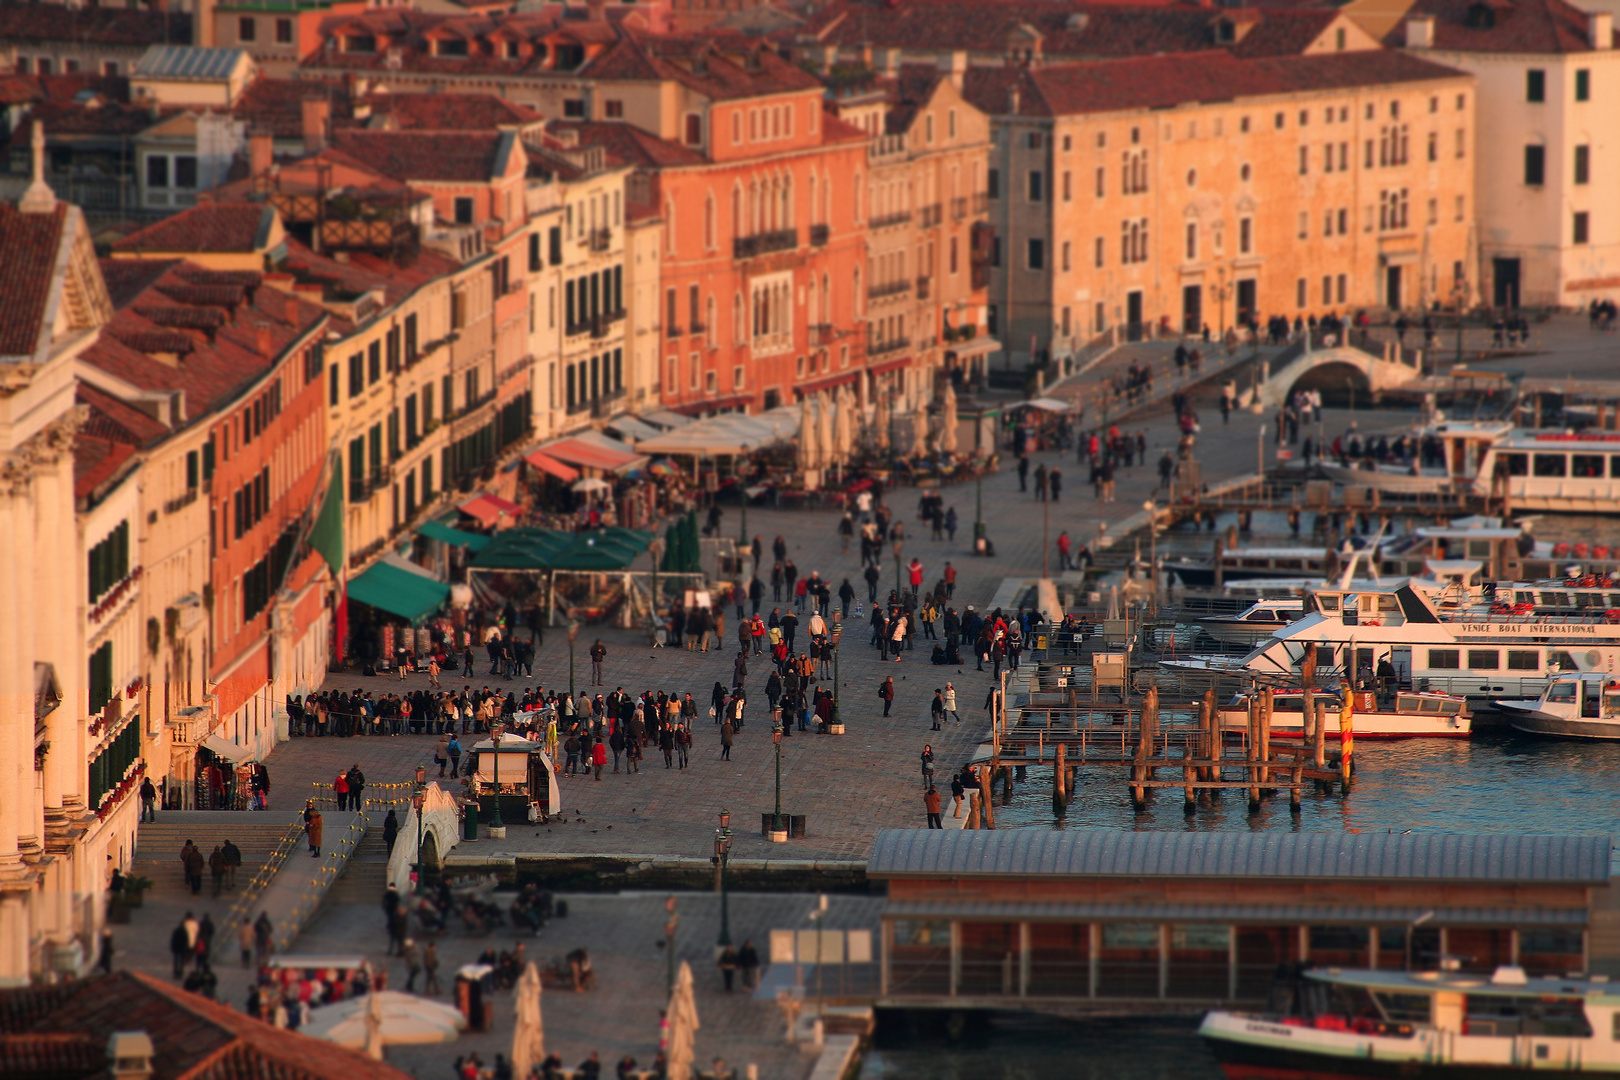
[34, 23]
[442, 112]
[211, 226]
[718, 66]
[1080, 31]
[50, 1057]
[96, 461]
[29, 244]
[194, 1038]
[115, 421]
[1155, 82]
[1502, 26]
[277, 105]
[420, 157]
[632, 146]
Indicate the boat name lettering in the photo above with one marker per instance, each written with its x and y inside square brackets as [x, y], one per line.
[1526, 629]
[1271, 1029]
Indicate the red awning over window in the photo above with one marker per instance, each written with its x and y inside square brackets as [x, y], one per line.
[551, 465]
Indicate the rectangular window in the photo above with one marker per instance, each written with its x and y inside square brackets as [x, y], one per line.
[1066, 249]
[1101, 181]
[284, 31]
[464, 210]
[1304, 160]
[1192, 241]
[1037, 254]
[373, 362]
[1583, 164]
[157, 171]
[1535, 85]
[1245, 236]
[1035, 186]
[1444, 659]
[247, 29]
[1484, 659]
[1535, 165]
[1550, 464]
[1583, 85]
[1300, 289]
[1582, 227]
[1067, 190]
[334, 388]
[1101, 247]
[993, 183]
[1523, 659]
[613, 109]
[1343, 286]
[357, 374]
[1327, 288]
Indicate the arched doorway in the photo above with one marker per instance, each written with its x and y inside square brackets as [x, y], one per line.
[1342, 385]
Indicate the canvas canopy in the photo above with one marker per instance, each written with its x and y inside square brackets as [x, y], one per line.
[399, 592]
[728, 434]
[437, 530]
[551, 549]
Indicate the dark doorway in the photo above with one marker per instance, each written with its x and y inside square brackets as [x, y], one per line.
[1133, 315]
[1246, 305]
[1192, 308]
[1392, 287]
[1505, 274]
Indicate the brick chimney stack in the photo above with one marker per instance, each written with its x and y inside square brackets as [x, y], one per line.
[317, 115]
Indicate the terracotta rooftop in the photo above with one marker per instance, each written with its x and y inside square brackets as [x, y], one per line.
[193, 1038]
[628, 145]
[414, 156]
[278, 104]
[1081, 31]
[1502, 26]
[1157, 82]
[440, 112]
[211, 226]
[718, 66]
[410, 35]
[29, 244]
[186, 328]
[34, 23]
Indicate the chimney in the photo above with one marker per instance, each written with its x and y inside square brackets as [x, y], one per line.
[890, 61]
[317, 113]
[1420, 32]
[262, 338]
[1600, 29]
[1012, 100]
[954, 66]
[261, 152]
[597, 10]
[129, 1055]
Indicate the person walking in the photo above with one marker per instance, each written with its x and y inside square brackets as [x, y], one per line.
[927, 766]
[180, 949]
[598, 654]
[950, 703]
[233, 859]
[148, 801]
[216, 869]
[453, 749]
[897, 635]
[430, 968]
[194, 862]
[886, 692]
[598, 758]
[728, 965]
[931, 804]
[340, 790]
[390, 830]
[413, 964]
[936, 708]
[725, 741]
[263, 938]
[244, 942]
[357, 786]
[313, 828]
[957, 791]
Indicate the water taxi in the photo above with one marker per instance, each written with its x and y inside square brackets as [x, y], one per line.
[1257, 621]
[1424, 1025]
[1584, 706]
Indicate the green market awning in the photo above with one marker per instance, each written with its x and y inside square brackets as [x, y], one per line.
[474, 542]
[399, 592]
[551, 549]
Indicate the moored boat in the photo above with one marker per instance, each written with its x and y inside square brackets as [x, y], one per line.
[1408, 714]
[1427, 1025]
[1258, 620]
[1577, 706]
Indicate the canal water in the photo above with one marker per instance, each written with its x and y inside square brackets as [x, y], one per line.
[1007, 1046]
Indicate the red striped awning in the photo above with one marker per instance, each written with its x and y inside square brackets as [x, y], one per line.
[588, 455]
[548, 464]
[490, 508]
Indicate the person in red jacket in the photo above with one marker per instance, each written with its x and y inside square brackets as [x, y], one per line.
[599, 757]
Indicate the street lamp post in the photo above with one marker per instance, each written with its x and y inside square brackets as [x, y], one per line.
[1153, 548]
[1460, 296]
[837, 641]
[418, 801]
[978, 507]
[776, 737]
[671, 923]
[1260, 452]
[722, 854]
[573, 634]
[656, 550]
[495, 821]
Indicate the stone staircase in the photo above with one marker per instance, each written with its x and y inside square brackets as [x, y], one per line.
[365, 875]
[158, 844]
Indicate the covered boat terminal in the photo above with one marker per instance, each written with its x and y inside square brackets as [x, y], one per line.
[1094, 920]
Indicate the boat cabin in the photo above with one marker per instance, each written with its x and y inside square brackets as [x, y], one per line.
[1591, 695]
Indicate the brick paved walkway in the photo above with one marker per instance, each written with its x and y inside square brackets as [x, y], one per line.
[849, 786]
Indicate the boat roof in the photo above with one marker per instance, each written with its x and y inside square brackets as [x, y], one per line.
[1562, 440]
[1506, 982]
[1473, 427]
[1452, 532]
[1276, 553]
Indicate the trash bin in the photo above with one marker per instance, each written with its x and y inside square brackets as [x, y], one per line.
[469, 822]
[795, 826]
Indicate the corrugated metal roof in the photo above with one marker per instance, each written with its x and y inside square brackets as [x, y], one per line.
[187, 62]
[1103, 853]
[1313, 914]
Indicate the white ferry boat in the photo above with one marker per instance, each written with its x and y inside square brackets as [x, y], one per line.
[1585, 706]
[1410, 714]
[1241, 564]
[1425, 1025]
[1564, 471]
[1452, 639]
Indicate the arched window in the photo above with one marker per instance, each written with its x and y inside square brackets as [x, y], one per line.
[736, 209]
[787, 201]
[739, 324]
[708, 222]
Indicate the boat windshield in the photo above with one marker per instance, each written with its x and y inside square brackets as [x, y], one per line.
[1563, 693]
[1495, 1014]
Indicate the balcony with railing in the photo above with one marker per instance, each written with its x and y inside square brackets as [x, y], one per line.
[897, 287]
[959, 207]
[819, 235]
[598, 325]
[747, 247]
[889, 345]
[922, 288]
[599, 239]
[932, 215]
[887, 221]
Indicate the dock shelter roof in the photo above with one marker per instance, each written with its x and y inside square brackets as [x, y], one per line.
[727, 434]
[552, 549]
[1315, 914]
[1564, 860]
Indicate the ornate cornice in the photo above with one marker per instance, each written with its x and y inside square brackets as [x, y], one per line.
[46, 447]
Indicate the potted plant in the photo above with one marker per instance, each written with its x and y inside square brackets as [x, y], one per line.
[135, 888]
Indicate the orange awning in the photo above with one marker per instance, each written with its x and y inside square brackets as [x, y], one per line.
[551, 465]
[489, 508]
[591, 456]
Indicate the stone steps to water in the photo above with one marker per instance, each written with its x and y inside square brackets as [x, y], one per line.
[365, 875]
[158, 844]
